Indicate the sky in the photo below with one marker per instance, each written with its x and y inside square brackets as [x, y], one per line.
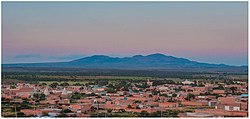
[211, 32]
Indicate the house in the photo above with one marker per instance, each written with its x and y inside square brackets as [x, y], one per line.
[168, 104]
[163, 88]
[25, 95]
[86, 108]
[64, 101]
[124, 102]
[51, 102]
[218, 91]
[187, 88]
[199, 89]
[75, 107]
[31, 112]
[231, 103]
[151, 103]
[84, 101]
[191, 103]
[212, 102]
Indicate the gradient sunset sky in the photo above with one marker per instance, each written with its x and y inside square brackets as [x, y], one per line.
[212, 32]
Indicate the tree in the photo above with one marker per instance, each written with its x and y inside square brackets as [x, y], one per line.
[220, 87]
[64, 84]
[155, 92]
[122, 110]
[20, 114]
[233, 89]
[45, 114]
[190, 96]
[201, 85]
[137, 101]
[66, 111]
[102, 82]
[208, 99]
[98, 96]
[144, 114]
[39, 96]
[54, 85]
[170, 113]
[129, 106]
[143, 86]
[12, 87]
[111, 90]
[111, 86]
[75, 95]
[77, 84]
[92, 108]
[156, 114]
[109, 110]
[62, 115]
[44, 84]
[25, 105]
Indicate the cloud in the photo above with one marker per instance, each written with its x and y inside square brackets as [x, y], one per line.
[66, 57]
[35, 58]
[27, 56]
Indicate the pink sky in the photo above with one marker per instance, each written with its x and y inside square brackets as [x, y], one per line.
[208, 32]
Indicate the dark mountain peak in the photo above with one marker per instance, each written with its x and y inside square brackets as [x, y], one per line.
[137, 56]
[156, 55]
[94, 58]
[99, 56]
[161, 57]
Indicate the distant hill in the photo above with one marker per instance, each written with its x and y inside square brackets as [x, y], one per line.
[153, 61]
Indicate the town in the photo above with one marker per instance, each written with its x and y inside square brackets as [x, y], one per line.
[136, 59]
[149, 97]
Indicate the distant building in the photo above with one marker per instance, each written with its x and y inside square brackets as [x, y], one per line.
[46, 91]
[186, 82]
[149, 83]
[64, 92]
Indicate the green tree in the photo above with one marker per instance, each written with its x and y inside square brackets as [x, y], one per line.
[66, 111]
[174, 95]
[62, 115]
[111, 90]
[129, 106]
[64, 84]
[12, 87]
[21, 114]
[190, 96]
[144, 114]
[137, 101]
[54, 85]
[39, 96]
[233, 89]
[77, 84]
[75, 96]
[109, 110]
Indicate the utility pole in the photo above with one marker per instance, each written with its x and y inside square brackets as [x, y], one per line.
[15, 111]
[98, 108]
[161, 112]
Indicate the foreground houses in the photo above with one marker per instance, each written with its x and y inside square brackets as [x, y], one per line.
[186, 99]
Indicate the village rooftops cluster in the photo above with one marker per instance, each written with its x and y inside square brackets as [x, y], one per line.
[192, 98]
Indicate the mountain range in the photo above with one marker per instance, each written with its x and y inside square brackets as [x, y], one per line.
[152, 61]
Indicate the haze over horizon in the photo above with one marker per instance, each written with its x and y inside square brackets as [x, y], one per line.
[211, 32]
